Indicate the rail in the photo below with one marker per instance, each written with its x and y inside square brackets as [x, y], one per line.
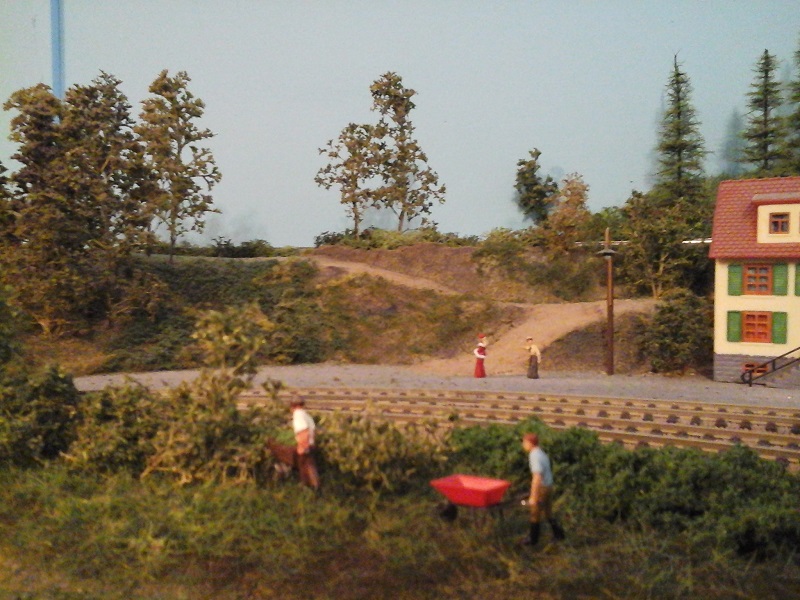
[773, 433]
[754, 372]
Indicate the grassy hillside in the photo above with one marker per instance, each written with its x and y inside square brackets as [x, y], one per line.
[319, 315]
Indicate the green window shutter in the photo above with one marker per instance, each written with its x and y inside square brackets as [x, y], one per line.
[734, 280]
[797, 279]
[779, 327]
[780, 279]
[734, 326]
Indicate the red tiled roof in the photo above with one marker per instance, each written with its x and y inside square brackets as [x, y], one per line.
[733, 233]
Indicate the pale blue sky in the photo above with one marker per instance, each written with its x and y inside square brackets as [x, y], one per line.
[581, 80]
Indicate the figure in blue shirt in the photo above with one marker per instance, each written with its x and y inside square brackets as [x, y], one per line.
[540, 500]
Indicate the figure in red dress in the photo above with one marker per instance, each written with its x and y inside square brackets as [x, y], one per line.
[480, 355]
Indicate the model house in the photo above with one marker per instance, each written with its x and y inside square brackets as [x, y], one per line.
[756, 249]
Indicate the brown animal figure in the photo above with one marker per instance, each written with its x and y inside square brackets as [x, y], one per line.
[287, 460]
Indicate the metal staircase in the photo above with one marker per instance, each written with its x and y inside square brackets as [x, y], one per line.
[781, 372]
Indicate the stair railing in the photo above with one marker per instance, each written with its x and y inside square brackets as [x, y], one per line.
[750, 374]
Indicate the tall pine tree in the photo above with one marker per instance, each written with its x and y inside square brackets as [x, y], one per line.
[765, 136]
[790, 162]
[680, 146]
[678, 207]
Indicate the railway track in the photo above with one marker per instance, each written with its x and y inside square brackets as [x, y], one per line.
[774, 433]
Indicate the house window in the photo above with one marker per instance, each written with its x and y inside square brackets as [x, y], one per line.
[779, 222]
[757, 327]
[762, 279]
[758, 279]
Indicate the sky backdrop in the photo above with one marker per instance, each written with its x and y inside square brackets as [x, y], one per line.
[581, 80]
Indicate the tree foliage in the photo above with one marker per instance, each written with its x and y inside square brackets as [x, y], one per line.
[79, 208]
[535, 194]
[383, 165]
[83, 201]
[569, 216]
[680, 333]
[184, 170]
[791, 154]
[680, 145]
[765, 134]
[409, 186]
[660, 224]
[353, 163]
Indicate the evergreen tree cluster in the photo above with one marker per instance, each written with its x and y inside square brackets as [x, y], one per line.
[664, 230]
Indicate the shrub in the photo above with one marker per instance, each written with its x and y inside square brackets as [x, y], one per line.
[372, 237]
[8, 344]
[202, 434]
[117, 429]
[372, 454]
[493, 450]
[195, 432]
[38, 416]
[572, 276]
[680, 334]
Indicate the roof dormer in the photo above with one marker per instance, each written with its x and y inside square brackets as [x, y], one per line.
[778, 220]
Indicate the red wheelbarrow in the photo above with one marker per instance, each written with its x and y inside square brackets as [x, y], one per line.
[471, 491]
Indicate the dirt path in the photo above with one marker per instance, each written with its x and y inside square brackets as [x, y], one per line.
[544, 322]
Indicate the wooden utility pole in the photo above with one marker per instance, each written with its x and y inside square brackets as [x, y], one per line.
[608, 254]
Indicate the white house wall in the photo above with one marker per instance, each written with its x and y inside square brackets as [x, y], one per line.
[729, 356]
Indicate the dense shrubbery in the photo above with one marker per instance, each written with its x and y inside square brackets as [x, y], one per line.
[194, 432]
[733, 500]
[369, 453]
[8, 343]
[574, 276]
[680, 333]
[225, 248]
[38, 415]
[388, 240]
[283, 290]
[625, 511]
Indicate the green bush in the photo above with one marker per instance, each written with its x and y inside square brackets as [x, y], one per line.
[680, 334]
[8, 343]
[733, 501]
[385, 239]
[572, 277]
[506, 250]
[195, 432]
[116, 431]
[283, 290]
[147, 345]
[38, 416]
[369, 453]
